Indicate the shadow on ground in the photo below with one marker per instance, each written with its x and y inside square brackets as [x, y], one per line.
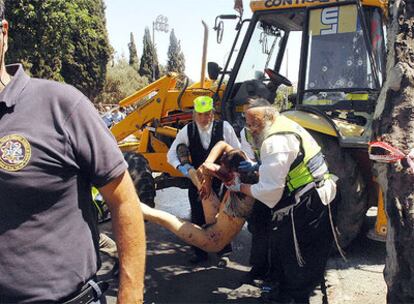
[170, 278]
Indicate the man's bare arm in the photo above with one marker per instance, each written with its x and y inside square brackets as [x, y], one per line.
[217, 151]
[128, 226]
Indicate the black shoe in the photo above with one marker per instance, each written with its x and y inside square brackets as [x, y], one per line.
[198, 258]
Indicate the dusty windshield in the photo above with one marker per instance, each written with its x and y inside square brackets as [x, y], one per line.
[261, 52]
[337, 53]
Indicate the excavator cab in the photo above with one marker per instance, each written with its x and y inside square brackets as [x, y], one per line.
[343, 63]
[342, 57]
[341, 71]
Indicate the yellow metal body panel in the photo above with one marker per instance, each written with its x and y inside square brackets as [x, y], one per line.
[357, 96]
[158, 145]
[197, 85]
[381, 221]
[347, 129]
[129, 146]
[158, 163]
[144, 141]
[311, 121]
[167, 131]
[347, 21]
[320, 124]
[261, 5]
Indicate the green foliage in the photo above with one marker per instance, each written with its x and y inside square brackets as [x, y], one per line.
[176, 61]
[163, 70]
[281, 100]
[61, 40]
[149, 59]
[121, 81]
[133, 54]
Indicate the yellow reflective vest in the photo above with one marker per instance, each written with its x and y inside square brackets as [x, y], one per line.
[309, 155]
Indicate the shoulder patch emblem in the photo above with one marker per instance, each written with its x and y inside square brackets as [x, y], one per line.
[15, 152]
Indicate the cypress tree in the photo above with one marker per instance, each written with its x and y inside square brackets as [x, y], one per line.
[133, 54]
[149, 60]
[176, 61]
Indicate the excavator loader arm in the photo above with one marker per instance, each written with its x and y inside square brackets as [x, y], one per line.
[154, 102]
[151, 105]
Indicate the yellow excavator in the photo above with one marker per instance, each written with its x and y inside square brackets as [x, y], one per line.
[341, 71]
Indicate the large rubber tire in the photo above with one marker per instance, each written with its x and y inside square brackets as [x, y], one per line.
[353, 203]
[141, 175]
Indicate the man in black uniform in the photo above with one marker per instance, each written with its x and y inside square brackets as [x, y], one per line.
[200, 136]
[53, 148]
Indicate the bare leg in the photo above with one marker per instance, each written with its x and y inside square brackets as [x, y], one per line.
[211, 239]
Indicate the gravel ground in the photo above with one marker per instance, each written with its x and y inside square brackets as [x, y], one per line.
[170, 278]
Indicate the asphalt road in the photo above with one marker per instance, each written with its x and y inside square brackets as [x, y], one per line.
[170, 278]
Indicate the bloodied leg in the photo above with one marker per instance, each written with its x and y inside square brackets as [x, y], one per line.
[225, 221]
[213, 237]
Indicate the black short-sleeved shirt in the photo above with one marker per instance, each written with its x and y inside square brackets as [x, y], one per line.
[53, 146]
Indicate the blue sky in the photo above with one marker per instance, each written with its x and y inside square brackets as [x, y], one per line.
[184, 16]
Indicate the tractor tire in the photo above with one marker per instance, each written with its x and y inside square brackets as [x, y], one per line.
[354, 195]
[142, 178]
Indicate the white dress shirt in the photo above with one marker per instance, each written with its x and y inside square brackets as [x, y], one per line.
[229, 136]
[277, 154]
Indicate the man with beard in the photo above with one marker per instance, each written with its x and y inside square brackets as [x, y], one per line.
[295, 183]
[200, 136]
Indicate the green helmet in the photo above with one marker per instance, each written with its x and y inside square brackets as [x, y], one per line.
[203, 104]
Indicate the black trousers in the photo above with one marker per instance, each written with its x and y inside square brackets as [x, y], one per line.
[197, 214]
[258, 225]
[315, 238]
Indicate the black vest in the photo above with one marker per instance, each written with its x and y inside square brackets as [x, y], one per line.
[197, 151]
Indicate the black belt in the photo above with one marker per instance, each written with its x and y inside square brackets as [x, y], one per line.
[92, 291]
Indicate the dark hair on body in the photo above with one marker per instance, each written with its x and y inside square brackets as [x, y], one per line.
[231, 162]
